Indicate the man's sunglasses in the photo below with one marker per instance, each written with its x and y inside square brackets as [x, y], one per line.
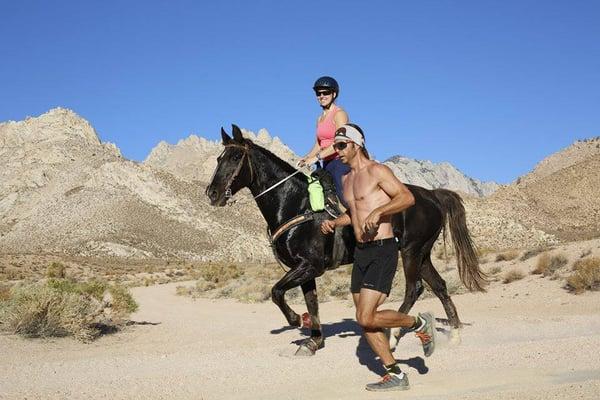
[340, 145]
[323, 93]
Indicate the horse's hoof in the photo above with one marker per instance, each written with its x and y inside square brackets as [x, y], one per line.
[304, 351]
[309, 347]
[306, 321]
[455, 339]
[393, 336]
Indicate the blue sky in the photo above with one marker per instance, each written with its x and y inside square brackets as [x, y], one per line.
[489, 86]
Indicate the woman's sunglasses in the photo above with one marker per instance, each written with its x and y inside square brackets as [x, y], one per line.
[323, 93]
[340, 145]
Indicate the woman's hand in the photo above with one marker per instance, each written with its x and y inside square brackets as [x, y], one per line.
[307, 161]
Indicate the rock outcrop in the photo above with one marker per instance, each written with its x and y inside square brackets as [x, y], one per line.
[443, 175]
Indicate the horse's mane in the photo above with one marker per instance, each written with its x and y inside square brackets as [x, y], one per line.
[272, 156]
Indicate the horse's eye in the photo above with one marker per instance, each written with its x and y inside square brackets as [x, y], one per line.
[237, 156]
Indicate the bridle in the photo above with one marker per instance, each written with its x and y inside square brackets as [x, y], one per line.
[246, 150]
[236, 172]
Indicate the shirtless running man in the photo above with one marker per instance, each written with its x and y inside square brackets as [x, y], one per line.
[374, 195]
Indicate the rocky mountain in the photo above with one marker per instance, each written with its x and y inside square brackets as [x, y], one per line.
[433, 176]
[561, 196]
[195, 158]
[63, 191]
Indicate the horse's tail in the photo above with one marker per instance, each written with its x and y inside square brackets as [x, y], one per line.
[453, 211]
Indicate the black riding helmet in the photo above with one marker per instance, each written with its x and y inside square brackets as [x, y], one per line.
[327, 82]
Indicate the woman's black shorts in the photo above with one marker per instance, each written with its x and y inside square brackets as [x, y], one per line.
[374, 266]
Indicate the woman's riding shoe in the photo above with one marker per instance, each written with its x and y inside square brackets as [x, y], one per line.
[332, 204]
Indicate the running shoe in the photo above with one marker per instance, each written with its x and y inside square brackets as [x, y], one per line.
[389, 382]
[427, 333]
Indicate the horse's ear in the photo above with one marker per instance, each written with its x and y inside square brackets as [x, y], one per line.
[237, 133]
[225, 136]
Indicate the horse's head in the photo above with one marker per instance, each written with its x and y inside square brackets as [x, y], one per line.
[233, 171]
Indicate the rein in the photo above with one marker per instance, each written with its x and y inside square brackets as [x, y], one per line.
[246, 151]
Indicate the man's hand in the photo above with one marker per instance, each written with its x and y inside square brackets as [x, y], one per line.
[372, 222]
[328, 226]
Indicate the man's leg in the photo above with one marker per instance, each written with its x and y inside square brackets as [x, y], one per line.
[373, 321]
[366, 307]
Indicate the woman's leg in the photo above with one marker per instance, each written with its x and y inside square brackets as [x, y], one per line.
[337, 169]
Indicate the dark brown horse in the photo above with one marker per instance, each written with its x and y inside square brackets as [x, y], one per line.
[308, 253]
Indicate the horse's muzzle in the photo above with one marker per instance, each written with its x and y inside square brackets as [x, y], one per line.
[216, 198]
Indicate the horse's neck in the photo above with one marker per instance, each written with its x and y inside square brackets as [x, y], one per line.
[281, 203]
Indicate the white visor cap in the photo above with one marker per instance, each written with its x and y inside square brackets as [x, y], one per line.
[349, 133]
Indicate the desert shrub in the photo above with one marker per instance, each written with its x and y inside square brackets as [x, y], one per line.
[444, 252]
[507, 256]
[40, 311]
[220, 274]
[63, 308]
[122, 302]
[532, 253]
[495, 270]
[55, 270]
[4, 292]
[512, 275]
[585, 276]
[92, 288]
[585, 253]
[548, 264]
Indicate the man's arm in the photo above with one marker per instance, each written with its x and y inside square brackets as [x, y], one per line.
[328, 226]
[400, 197]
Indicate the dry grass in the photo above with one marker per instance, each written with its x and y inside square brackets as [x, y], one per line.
[548, 264]
[585, 276]
[586, 253]
[532, 253]
[64, 308]
[496, 269]
[512, 275]
[219, 274]
[445, 253]
[249, 283]
[507, 255]
[253, 282]
[56, 270]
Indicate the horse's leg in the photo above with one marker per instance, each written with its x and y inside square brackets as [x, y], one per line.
[411, 261]
[312, 344]
[293, 278]
[438, 286]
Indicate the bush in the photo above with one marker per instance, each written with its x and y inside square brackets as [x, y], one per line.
[55, 270]
[513, 275]
[548, 264]
[585, 253]
[219, 274]
[507, 256]
[586, 276]
[532, 253]
[64, 308]
[494, 270]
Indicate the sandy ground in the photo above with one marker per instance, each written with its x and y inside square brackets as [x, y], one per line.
[526, 340]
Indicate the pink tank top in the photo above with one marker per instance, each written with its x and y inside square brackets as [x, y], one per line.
[326, 131]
